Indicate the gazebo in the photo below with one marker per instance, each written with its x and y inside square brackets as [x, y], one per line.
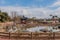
[23, 20]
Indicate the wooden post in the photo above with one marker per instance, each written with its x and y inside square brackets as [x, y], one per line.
[53, 35]
[9, 35]
[31, 36]
[49, 36]
[18, 35]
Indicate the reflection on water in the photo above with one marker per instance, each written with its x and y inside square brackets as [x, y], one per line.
[11, 29]
[36, 29]
[43, 29]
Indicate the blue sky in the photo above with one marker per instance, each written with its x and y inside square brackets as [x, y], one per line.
[26, 3]
[32, 8]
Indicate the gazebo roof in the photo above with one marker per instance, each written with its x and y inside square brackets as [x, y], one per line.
[24, 18]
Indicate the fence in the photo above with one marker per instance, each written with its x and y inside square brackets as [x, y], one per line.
[28, 35]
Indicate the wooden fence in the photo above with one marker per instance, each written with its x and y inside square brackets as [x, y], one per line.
[28, 35]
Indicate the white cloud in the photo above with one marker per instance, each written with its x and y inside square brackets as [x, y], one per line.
[57, 3]
[57, 11]
[31, 12]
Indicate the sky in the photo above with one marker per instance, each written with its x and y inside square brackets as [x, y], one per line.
[31, 8]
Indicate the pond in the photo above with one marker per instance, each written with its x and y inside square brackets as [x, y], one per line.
[36, 29]
[43, 29]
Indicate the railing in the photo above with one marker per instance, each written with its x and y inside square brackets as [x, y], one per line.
[28, 35]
